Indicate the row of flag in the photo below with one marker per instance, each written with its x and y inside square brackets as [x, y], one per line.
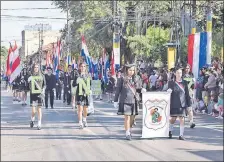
[97, 67]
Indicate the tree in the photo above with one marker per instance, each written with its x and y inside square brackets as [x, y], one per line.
[4, 54]
[140, 36]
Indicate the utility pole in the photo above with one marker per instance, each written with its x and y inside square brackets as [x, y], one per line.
[193, 29]
[40, 30]
[68, 28]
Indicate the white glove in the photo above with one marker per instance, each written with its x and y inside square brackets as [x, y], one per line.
[169, 90]
[29, 79]
[116, 105]
[143, 90]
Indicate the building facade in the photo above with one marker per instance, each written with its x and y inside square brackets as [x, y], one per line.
[31, 40]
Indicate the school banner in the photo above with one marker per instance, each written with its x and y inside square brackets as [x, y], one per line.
[156, 114]
[96, 87]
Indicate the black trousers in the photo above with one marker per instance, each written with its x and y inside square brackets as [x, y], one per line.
[67, 95]
[58, 92]
[51, 92]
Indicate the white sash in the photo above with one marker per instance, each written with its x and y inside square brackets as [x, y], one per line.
[180, 87]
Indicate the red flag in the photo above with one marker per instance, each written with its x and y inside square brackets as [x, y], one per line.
[112, 64]
[190, 49]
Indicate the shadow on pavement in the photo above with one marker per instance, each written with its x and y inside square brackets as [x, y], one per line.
[213, 155]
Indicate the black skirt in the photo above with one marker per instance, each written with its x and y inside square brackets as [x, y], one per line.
[35, 100]
[127, 109]
[177, 112]
[14, 87]
[82, 100]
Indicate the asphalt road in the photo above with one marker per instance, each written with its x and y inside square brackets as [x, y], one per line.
[104, 139]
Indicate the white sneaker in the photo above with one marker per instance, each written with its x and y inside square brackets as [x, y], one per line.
[81, 126]
[219, 117]
[85, 123]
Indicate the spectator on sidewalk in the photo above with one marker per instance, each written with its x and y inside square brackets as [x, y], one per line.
[210, 86]
[218, 108]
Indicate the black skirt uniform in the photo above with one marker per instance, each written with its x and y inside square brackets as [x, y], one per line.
[111, 85]
[16, 83]
[180, 98]
[128, 103]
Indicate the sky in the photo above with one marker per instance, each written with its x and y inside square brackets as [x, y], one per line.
[11, 28]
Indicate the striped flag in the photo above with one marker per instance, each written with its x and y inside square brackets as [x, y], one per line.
[15, 63]
[85, 53]
[196, 55]
[197, 52]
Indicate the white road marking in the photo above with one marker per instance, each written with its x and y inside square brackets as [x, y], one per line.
[105, 113]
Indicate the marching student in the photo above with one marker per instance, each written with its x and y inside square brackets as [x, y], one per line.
[36, 81]
[15, 88]
[67, 85]
[179, 101]
[83, 92]
[189, 78]
[126, 97]
[24, 86]
[59, 84]
[75, 75]
[50, 86]
[110, 87]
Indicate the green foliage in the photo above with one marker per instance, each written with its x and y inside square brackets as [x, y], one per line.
[136, 39]
[4, 51]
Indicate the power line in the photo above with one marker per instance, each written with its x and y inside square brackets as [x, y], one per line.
[8, 9]
[30, 17]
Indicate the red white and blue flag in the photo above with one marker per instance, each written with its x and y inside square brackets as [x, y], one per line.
[85, 53]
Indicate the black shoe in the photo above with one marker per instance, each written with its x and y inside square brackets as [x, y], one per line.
[64, 101]
[38, 127]
[68, 103]
[192, 125]
[31, 124]
[181, 138]
[128, 137]
[46, 107]
[170, 134]
[52, 107]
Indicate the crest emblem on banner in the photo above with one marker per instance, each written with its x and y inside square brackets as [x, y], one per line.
[155, 116]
